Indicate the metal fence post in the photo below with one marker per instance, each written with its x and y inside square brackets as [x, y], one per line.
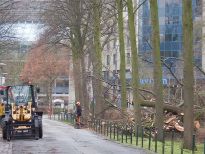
[204, 145]
[101, 127]
[182, 150]
[193, 144]
[114, 131]
[117, 132]
[110, 130]
[149, 138]
[172, 142]
[163, 141]
[122, 132]
[137, 135]
[104, 128]
[131, 134]
[107, 128]
[142, 136]
[96, 126]
[126, 132]
[155, 140]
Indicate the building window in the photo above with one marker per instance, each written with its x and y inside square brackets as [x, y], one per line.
[175, 37]
[128, 41]
[108, 45]
[114, 43]
[176, 20]
[128, 58]
[106, 75]
[168, 37]
[108, 59]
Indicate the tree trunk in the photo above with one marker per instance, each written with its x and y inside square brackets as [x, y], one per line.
[84, 90]
[49, 87]
[158, 88]
[97, 68]
[77, 78]
[122, 54]
[135, 72]
[188, 73]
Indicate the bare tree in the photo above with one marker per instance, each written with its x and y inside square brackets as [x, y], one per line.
[158, 89]
[135, 71]
[188, 73]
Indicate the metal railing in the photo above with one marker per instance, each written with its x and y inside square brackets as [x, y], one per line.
[145, 137]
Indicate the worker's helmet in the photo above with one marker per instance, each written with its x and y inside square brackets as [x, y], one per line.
[78, 103]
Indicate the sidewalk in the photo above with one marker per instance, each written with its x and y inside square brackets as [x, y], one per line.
[5, 146]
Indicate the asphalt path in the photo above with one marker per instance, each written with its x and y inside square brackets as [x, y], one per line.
[61, 138]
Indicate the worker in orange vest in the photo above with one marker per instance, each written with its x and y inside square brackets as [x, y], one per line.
[78, 114]
[2, 110]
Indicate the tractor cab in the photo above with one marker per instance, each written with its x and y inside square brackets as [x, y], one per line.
[21, 115]
[20, 100]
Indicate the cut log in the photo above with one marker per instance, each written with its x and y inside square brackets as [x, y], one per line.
[170, 119]
[197, 124]
[178, 127]
[167, 107]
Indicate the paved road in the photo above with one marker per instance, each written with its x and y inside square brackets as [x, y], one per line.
[60, 138]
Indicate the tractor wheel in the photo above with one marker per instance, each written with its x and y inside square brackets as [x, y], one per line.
[36, 133]
[4, 133]
[8, 134]
[40, 131]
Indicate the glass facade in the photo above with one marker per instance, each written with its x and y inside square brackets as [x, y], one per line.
[170, 21]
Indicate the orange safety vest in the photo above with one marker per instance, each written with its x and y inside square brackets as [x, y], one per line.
[2, 109]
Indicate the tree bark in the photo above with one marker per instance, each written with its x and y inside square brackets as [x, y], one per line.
[188, 73]
[168, 107]
[77, 78]
[122, 54]
[158, 88]
[84, 90]
[135, 72]
[97, 68]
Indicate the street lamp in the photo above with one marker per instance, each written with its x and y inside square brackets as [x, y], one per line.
[1, 70]
[4, 75]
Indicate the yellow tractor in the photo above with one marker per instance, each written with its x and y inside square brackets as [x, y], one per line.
[21, 116]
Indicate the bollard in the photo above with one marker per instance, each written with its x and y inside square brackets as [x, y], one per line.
[172, 142]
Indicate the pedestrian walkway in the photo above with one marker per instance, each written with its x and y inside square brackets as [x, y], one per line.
[5, 146]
